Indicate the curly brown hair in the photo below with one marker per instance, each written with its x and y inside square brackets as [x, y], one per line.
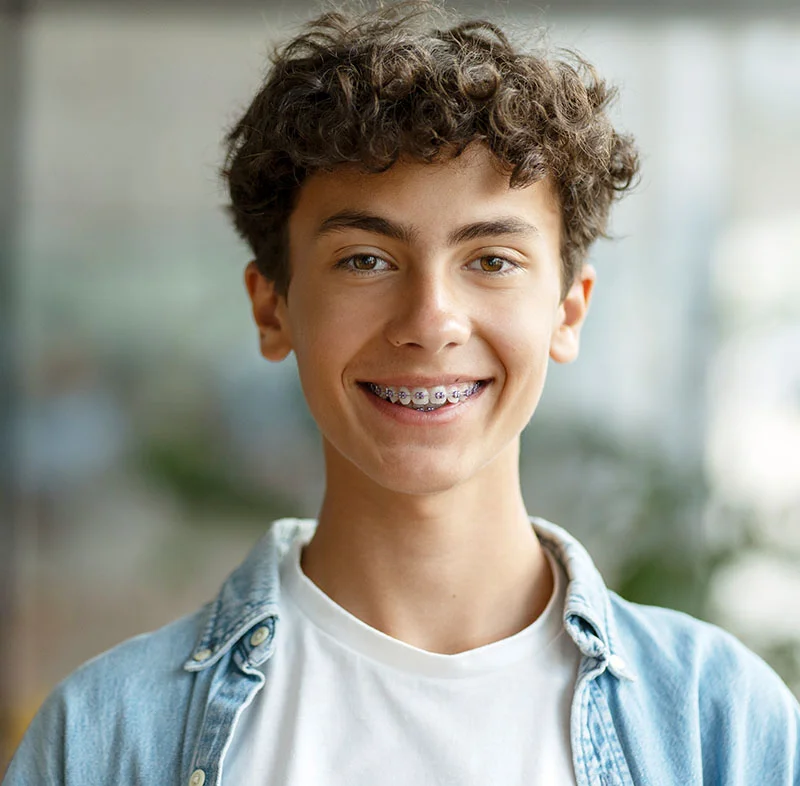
[368, 88]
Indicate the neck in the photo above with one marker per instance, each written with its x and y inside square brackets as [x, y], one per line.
[446, 572]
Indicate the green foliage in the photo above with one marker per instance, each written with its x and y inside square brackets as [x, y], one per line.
[204, 481]
[669, 581]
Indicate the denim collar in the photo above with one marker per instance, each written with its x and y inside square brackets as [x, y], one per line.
[588, 616]
[249, 600]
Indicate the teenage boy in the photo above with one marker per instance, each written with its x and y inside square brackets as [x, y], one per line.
[420, 203]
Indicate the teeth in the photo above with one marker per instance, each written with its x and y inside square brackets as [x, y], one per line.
[454, 394]
[426, 399]
[420, 396]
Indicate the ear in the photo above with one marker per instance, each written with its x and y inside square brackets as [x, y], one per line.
[565, 341]
[269, 313]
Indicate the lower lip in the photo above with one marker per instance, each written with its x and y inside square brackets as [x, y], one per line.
[414, 417]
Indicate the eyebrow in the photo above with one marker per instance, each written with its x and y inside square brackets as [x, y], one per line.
[356, 219]
[507, 225]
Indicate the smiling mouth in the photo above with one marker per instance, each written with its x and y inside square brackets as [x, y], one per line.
[424, 399]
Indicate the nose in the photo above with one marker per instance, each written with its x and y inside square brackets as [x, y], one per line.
[428, 313]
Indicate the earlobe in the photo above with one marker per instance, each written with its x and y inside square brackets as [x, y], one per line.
[565, 342]
[269, 313]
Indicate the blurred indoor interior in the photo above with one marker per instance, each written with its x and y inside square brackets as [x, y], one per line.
[146, 444]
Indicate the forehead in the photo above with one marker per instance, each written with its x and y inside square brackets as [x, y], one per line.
[433, 198]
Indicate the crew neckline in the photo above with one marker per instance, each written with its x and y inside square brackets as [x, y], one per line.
[350, 632]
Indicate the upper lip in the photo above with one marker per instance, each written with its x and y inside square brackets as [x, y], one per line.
[423, 381]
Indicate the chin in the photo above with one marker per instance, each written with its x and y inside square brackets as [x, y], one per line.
[418, 482]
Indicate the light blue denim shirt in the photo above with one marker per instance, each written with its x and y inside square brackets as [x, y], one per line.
[660, 698]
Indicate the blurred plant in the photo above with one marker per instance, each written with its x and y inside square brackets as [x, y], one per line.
[208, 482]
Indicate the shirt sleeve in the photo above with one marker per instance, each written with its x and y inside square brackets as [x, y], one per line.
[39, 759]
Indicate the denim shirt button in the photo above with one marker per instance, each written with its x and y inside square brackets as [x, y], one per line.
[259, 636]
[198, 778]
[199, 656]
[615, 663]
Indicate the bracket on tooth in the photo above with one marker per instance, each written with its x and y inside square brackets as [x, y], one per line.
[420, 397]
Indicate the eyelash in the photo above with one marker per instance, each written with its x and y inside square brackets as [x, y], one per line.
[346, 264]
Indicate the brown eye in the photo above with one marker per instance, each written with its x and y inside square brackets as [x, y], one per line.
[365, 262]
[491, 264]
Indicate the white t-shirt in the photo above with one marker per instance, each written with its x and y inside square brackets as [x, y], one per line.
[347, 705]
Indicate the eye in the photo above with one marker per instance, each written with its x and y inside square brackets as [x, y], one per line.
[364, 263]
[493, 264]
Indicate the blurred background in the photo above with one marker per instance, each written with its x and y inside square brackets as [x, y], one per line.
[145, 443]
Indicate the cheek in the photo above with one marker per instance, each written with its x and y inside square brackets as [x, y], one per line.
[329, 316]
[523, 339]
[327, 337]
[523, 348]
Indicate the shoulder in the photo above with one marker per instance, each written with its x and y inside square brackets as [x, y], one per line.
[129, 703]
[686, 649]
[695, 677]
[153, 659]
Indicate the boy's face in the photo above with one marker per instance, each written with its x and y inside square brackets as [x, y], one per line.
[425, 275]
